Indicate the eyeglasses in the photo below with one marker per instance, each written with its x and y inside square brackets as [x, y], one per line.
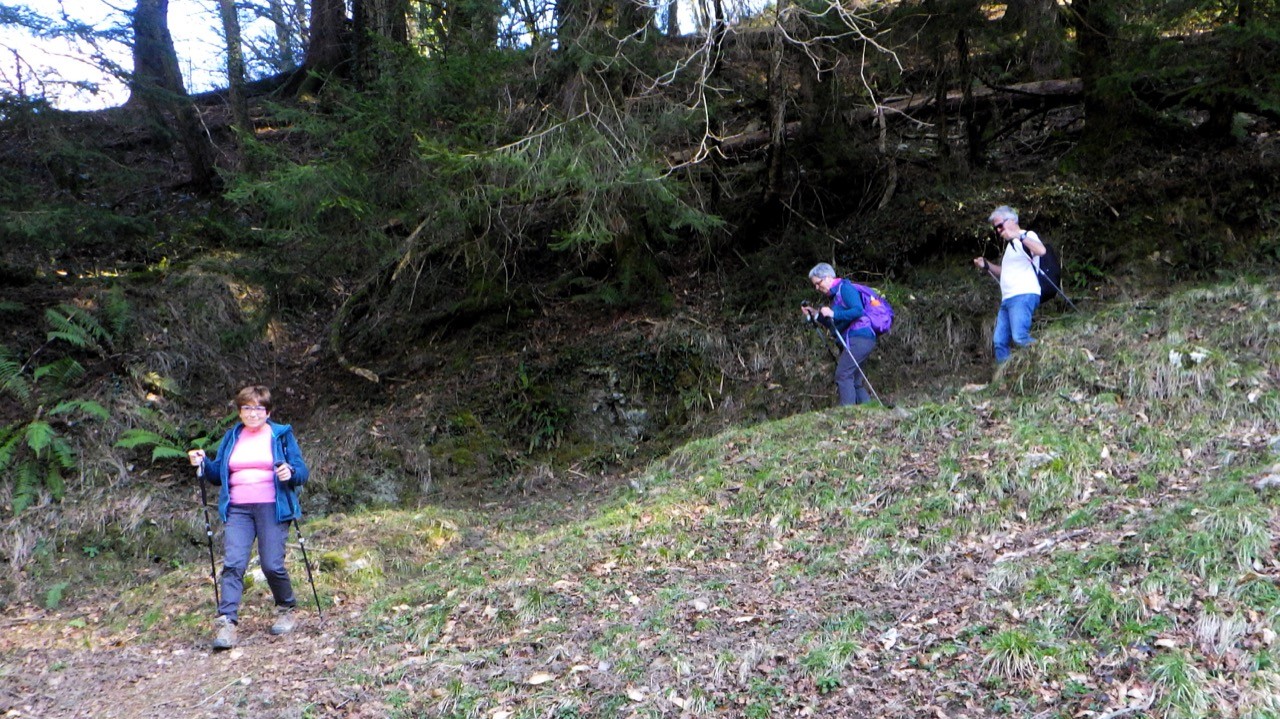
[998, 225]
[252, 408]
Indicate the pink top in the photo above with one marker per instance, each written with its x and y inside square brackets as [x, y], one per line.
[253, 478]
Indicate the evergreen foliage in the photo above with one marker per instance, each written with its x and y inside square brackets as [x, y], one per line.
[487, 189]
[36, 450]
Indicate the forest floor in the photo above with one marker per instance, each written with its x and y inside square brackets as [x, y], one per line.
[78, 663]
[59, 664]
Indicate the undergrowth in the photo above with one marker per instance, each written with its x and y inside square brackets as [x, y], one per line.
[1082, 535]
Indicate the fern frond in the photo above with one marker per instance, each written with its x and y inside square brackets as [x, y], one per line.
[10, 306]
[54, 483]
[86, 406]
[164, 448]
[63, 453]
[77, 327]
[118, 312]
[12, 381]
[10, 438]
[39, 436]
[154, 380]
[65, 329]
[167, 452]
[132, 438]
[24, 486]
[161, 383]
[147, 414]
[64, 372]
[74, 337]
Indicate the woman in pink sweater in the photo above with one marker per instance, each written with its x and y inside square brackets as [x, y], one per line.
[259, 468]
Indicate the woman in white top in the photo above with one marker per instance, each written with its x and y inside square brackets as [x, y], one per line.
[1019, 285]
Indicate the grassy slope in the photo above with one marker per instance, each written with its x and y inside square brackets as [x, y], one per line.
[1085, 534]
[1082, 535]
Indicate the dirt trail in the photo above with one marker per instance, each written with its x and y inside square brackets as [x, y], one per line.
[53, 668]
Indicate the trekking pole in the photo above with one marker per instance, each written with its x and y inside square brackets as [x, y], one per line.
[1036, 266]
[856, 364]
[987, 266]
[208, 533]
[1055, 286]
[302, 542]
[821, 332]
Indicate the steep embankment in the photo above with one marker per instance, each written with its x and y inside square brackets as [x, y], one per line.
[1090, 535]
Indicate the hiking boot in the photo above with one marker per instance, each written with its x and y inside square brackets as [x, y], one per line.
[285, 621]
[226, 637]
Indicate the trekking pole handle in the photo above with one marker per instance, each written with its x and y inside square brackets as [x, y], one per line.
[811, 314]
[277, 468]
[208, 528]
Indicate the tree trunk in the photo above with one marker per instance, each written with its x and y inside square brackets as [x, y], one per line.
[284, 34]
[974, 147]
[327, 49]
[632, 17]
[1222, 110]
[1044, 45]
[941, 85]
[376, 25]
[1110, 116]
[777, 111]
[819, 100]
[235, 68]
[471, 26]
[673, 18]
[388, 19]
[157, 85]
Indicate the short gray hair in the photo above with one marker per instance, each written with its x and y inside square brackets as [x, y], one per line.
[1002, 213]
[822, 270]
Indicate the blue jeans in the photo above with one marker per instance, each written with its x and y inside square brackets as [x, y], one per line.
[850, 380]
[244, 523]
[1013, 324]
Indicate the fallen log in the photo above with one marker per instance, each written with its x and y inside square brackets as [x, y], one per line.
[916, 108]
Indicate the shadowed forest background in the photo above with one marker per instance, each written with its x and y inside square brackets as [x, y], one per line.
[479, 248]
[509, 252]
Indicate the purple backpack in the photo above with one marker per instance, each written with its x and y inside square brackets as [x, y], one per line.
[876, 312]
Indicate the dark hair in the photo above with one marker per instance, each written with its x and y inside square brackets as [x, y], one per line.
[254, 394]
